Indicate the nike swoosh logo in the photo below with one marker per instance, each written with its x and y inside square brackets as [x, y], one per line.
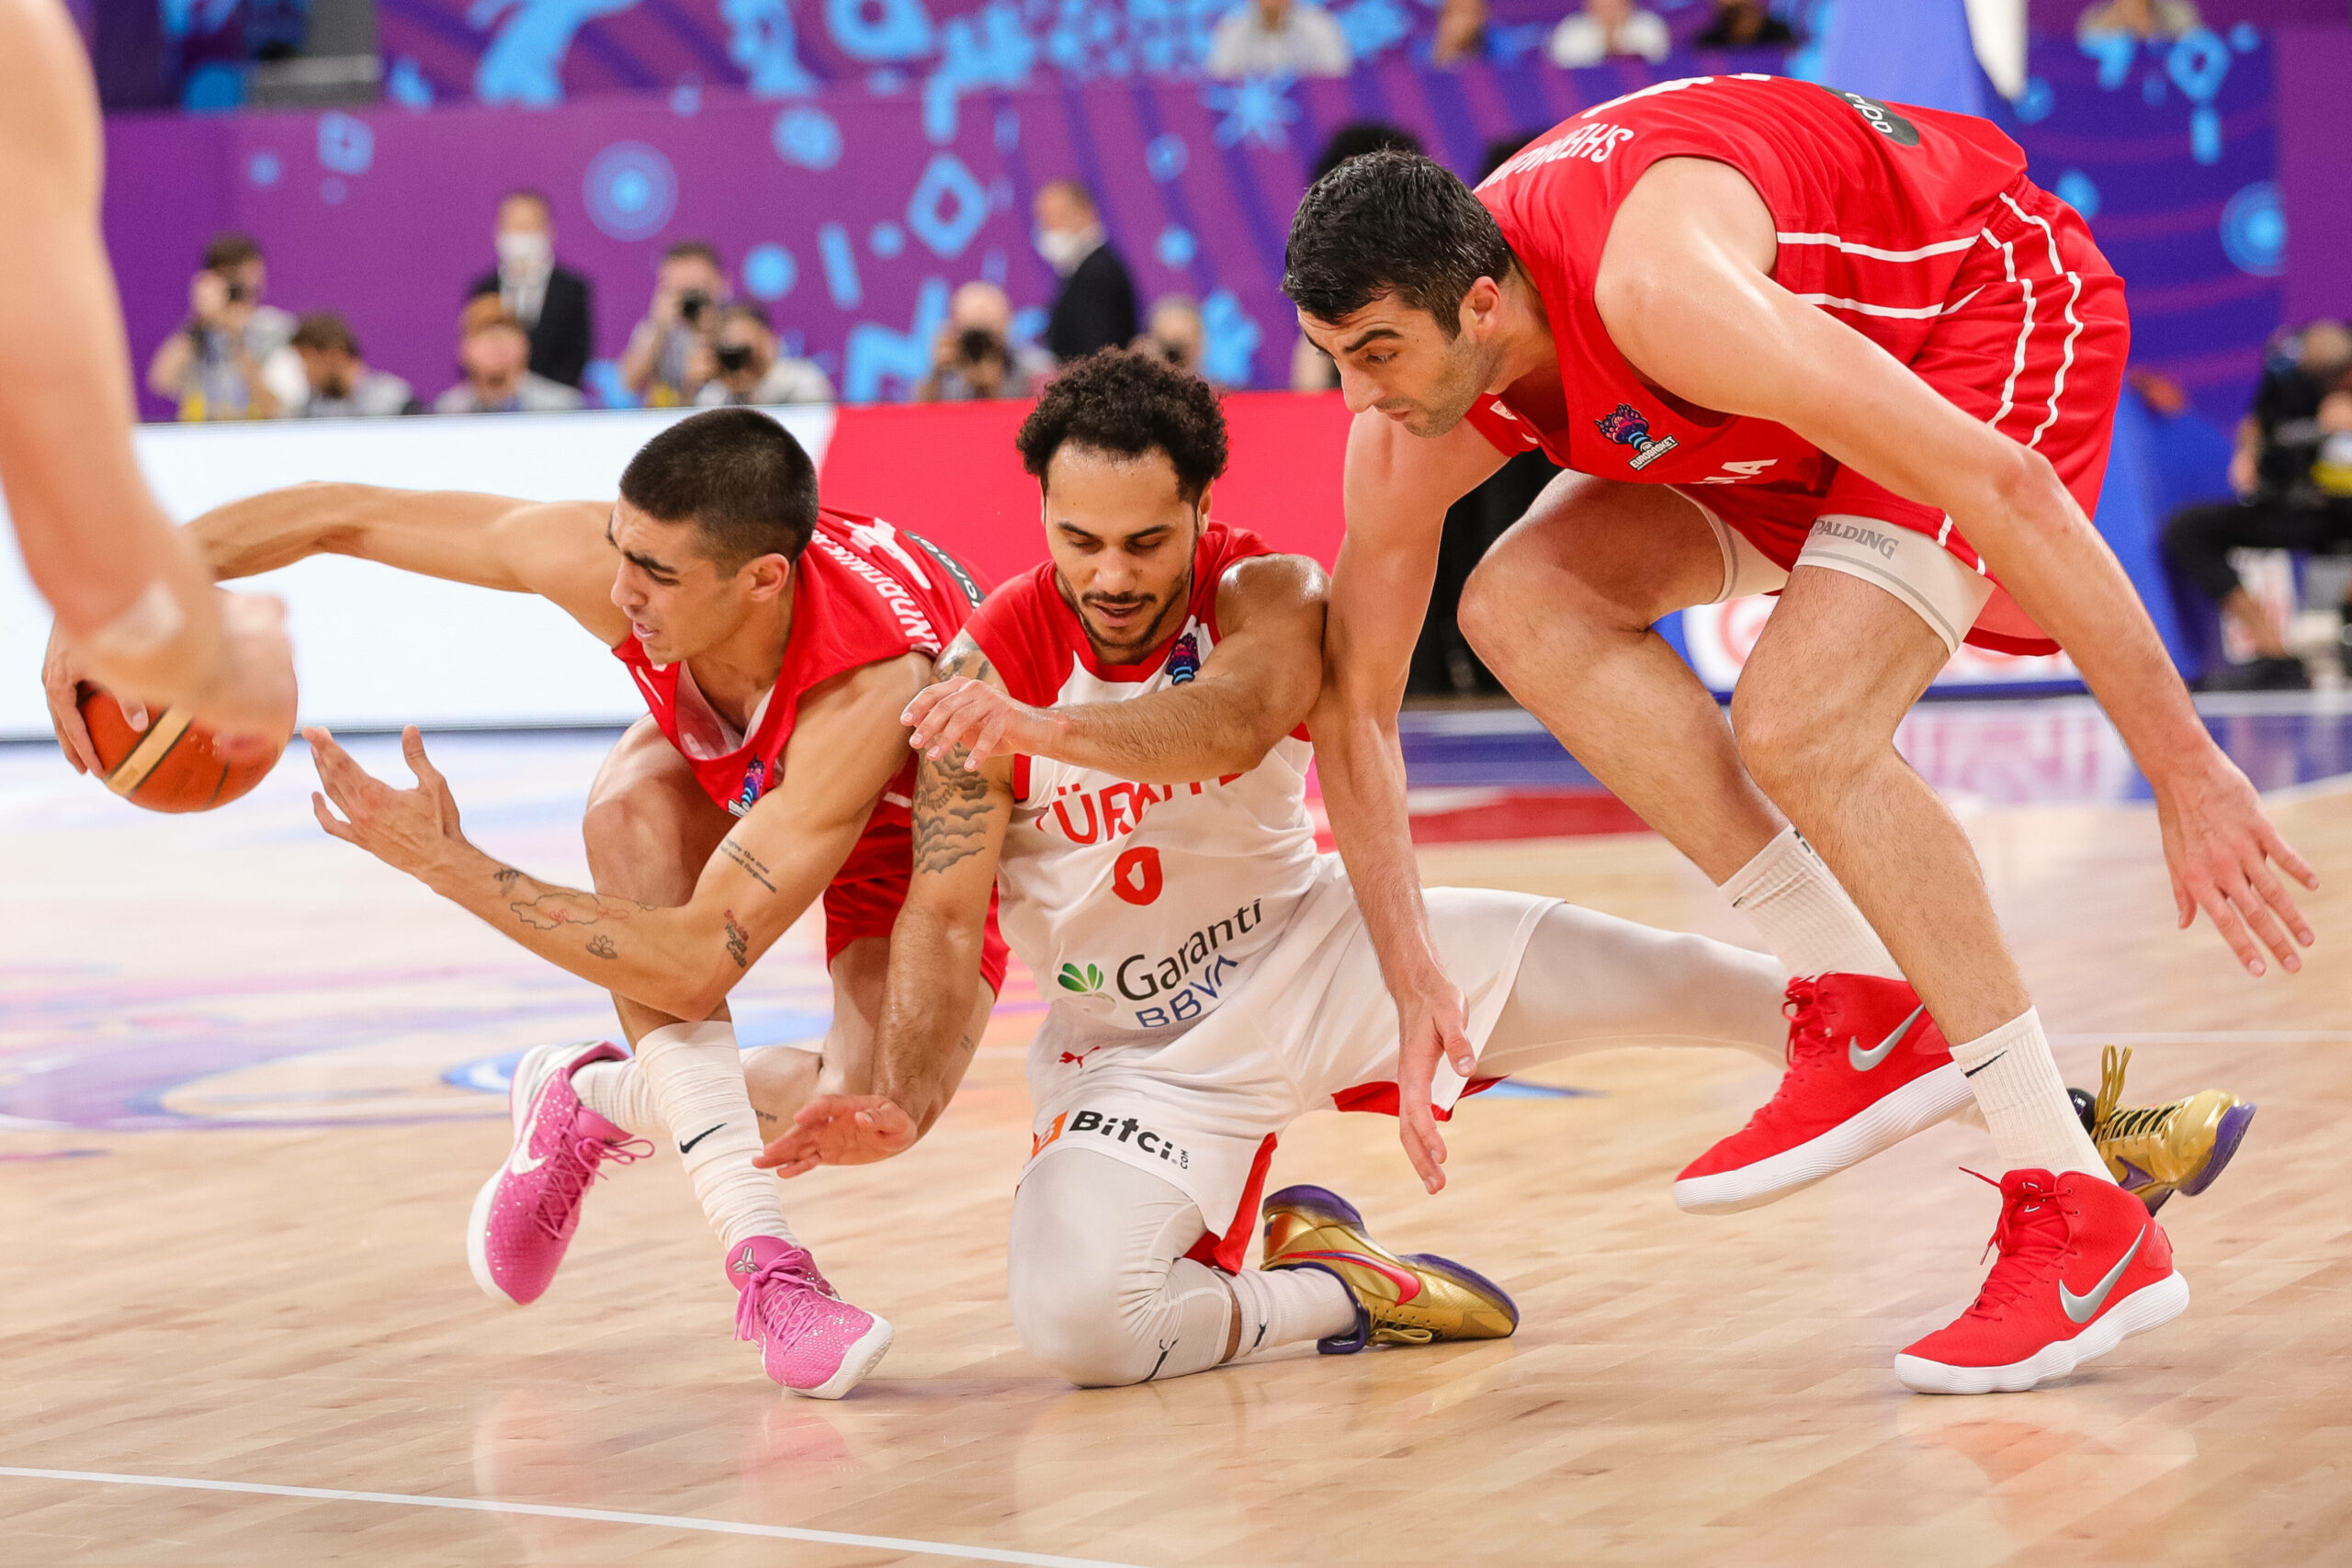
[1407, 1285]
[688, 1146]
[521, 1162]
[1971, 1072]
[2082, 1309]
[1864, 1061]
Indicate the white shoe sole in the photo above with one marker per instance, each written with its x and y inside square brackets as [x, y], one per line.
[518, 1108]
[1917, 1106]
[2151, 1306]
[862, 1358]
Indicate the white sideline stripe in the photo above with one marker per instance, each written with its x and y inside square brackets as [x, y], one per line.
[1942, 248]
[599, 1516]
[2214, 1037]
[1893, 312]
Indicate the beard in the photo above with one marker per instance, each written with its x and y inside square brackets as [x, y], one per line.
[1461, 381]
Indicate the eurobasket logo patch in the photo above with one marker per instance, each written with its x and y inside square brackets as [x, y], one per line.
[1629, 426]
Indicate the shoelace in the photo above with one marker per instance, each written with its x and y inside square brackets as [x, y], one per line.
[572, 1170]
[1809, 1032]
[2031, 1235]
[2111, 1122]
[770, 1311]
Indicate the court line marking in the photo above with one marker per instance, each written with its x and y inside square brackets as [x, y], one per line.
[2212, 1037]
[551, 1511]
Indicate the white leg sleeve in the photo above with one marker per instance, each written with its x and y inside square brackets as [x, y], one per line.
[1592, 981]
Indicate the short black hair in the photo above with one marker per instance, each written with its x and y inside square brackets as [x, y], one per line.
[703, 249]
[736, 475]
[326, 332]
[1385, 222]
[1128, 404]
[1359, 136]
[230, 248]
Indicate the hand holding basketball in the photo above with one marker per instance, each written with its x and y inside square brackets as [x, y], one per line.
[2220, 847]
[408, 829]
[840, 1129]
[247, 713]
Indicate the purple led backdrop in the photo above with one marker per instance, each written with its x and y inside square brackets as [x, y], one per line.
[852, 213]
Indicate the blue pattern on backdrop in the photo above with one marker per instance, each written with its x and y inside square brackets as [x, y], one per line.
[1198, 182]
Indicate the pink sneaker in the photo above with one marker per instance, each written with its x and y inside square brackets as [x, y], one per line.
[814, 1343]
[525, 1213]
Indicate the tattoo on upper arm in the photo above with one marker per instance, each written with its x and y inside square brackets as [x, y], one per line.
[601, 947]
[951, 815]
[951, 804]
[739, 943]
[749, 861]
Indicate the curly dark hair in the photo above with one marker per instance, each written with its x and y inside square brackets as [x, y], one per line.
[1128, 404]
[1391, 221]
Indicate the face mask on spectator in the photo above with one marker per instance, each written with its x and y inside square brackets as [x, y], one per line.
[525, 250]
[1064, 248]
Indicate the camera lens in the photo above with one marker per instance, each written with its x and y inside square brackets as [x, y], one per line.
[734, 356]
[692, 304]
[978, 343]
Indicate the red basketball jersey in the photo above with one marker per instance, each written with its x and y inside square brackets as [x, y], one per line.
[1876, 207]
[862, 591]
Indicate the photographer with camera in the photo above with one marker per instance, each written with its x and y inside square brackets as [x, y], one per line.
[1175, 332]
[742, 365]
[975, 358]
[689, 289]
[232, 359]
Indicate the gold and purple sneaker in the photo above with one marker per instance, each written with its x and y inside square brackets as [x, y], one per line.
[2155, 1151]
[1401, 1299]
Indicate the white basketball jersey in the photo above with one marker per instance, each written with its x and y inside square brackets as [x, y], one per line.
[1140, 905]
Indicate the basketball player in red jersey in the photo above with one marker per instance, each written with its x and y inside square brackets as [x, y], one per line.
[776, 645]
[134, 598]
[1793, 339]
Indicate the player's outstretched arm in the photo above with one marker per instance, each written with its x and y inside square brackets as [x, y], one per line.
[1685, 291]
[555, 549]
[1255, 687]
[97, 544]
[845, 746]
[1398, 488]
[922, 1047]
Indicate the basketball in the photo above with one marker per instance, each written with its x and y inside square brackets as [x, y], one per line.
[168, 766]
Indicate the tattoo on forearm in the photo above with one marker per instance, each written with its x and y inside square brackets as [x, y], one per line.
[505, 876]
[601, 947]
[749, 861]
[567, 906]
[739, 943]
[764, 1115]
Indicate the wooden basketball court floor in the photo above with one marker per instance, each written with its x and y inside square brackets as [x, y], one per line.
[245, 1097]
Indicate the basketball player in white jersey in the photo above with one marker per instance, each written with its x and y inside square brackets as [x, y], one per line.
[127, 592]
[1135, 789]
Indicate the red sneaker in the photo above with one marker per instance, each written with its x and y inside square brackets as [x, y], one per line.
[2029, 1325]
[1867, 1068]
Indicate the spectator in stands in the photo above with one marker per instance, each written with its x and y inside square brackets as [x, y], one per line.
[1459, 35]
[1311, 369]
[689, 287]
[2140, 19]
[1745, 24]
[746, 367]
[551, 300]
[342, 386]
[496, 355]
[975, 356]
[2294, 492]
[232, 359]
[1096, 307]
[1176, 332]
[1609, 29]
[1278, 37]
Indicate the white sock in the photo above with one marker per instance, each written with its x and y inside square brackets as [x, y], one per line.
[1806, 918]
[2025, 1104]
[620, 1093]
[1282, 1306]
[696, 1075]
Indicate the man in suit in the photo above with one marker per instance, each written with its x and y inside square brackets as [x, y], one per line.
[550, 301]
[1096, 307]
